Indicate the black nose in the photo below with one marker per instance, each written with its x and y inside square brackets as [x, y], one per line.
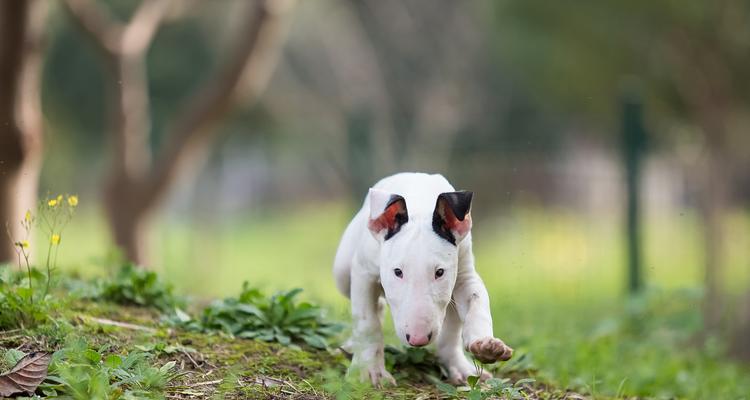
[407, 337]
[429, 337]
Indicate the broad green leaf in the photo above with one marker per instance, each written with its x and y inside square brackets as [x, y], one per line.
[447, 389]
[524, 381]
[168, 366]
[113, 361]
[92, 355]
[12, 356]
[315, 341]
[475, 394]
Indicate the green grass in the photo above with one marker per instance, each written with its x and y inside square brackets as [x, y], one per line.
[555, 280]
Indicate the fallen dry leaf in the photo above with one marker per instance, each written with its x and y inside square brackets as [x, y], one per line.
[26, 375]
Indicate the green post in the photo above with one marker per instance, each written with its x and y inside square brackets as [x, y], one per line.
[634, 146]
[359, 153]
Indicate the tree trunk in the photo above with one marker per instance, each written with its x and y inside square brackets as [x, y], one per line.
[128, 224]
[135, 186]
[130, 121]
[21, 25]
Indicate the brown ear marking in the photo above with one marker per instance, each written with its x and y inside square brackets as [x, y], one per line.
[450, 216]
[393, 217]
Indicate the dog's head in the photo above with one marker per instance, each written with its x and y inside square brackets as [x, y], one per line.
[419, 259]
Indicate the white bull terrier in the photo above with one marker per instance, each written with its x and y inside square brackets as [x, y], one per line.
[411, 242]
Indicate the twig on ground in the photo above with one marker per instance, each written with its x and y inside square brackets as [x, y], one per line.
[187, 354]
[9, 331]
[119, 324]
[216, 382]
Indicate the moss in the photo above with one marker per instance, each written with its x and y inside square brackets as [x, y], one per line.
[253, 369]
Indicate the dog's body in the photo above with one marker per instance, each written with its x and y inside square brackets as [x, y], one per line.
[411, 243]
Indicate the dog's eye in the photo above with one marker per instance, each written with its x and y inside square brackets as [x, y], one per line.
[398, 272]
[439, 272]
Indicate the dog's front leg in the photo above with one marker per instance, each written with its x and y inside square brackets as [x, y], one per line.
[473, 306]
[451, 353]
[367, 334]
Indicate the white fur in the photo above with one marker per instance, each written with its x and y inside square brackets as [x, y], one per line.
[420, 303]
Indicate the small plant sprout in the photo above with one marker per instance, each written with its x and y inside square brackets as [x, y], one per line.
[137, 286]
[22, 247]
[54, 215]
[24, 307]
[474, 380]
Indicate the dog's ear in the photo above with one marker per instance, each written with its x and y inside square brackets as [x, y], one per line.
[451, 219]
[387, 214]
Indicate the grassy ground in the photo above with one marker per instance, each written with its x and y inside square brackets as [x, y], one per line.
[555, 280]
[220, 367]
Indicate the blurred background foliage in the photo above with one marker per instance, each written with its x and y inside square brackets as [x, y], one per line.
[519, 101]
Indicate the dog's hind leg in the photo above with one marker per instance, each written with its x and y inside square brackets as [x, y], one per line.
[342, 264]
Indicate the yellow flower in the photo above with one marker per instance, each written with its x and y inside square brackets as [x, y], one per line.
[73, 200]
[52, 203]
[59, 198]
[27, 217]
[24, 244]
[55, 239]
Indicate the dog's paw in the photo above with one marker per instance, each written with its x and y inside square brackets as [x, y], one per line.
[375, 374]
[461, 369]
[489, 350]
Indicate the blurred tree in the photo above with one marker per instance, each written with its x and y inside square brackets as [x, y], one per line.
[21, 29]
[693, 57]
[402, 63]
[434, 98]
[439, 86]
[136, 185]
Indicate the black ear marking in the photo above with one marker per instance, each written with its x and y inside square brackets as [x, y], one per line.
[400, 217]
[460, 202]
[445, 221]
